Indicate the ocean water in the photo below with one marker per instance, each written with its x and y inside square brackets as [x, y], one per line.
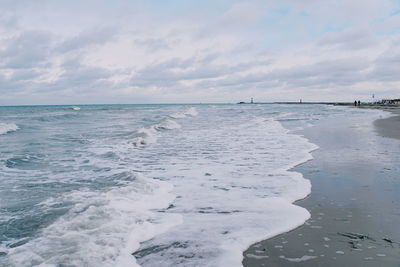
[151, 185]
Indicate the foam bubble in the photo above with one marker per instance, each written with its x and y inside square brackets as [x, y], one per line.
[149, 135]
[177, 115]
[167, 124]
[191, 112]
[8, 127]
[234, 190]
[301, 259]
[102, 228]
[145, 136]
[229, 169]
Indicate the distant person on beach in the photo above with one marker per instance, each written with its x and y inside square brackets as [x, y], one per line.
[355, 103]
[359, 102]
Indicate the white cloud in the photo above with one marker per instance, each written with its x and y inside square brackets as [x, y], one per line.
[144, 51]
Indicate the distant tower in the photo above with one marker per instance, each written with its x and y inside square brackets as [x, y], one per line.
[252, 101]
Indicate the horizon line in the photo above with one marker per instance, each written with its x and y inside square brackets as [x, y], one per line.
[201, 103]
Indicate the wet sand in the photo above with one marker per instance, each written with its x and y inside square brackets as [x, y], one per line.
[354, 203]
[389, 127]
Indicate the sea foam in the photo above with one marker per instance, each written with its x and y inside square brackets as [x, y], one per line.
[8, 127]
[149, 135]
[192, 111]
[206, 189]
[102, 228]
[234, 188]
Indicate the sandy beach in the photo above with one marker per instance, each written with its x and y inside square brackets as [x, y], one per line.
[354, 203]
[389, 127]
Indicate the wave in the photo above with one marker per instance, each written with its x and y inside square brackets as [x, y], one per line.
[101, 229]
[177, 115]
[233, 192]
[57, 117]
[149, 135]
[167, 124]
[8, 127]
[189, 112]
[219, 186]
[145, 136]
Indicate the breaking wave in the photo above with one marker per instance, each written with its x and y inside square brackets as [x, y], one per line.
[8, 127]
[198, 196]
[112, 223]
[149, 135]
[189, 112]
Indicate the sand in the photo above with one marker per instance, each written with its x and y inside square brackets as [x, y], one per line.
[389, 127]
[354, 204]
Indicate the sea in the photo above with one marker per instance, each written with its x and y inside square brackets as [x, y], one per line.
[152, 185]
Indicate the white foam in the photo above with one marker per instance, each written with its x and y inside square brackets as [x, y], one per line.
[303, 258]
[76, 108]
[8, 127]
[177, 115]
[230, 173]
[145, 136]
[192, 111]
[167, 124]
[234, 189]
[102, 229]
[258, 257]
[149, 135]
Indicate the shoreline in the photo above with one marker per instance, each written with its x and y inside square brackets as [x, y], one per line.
[353, 203]
[389, 127]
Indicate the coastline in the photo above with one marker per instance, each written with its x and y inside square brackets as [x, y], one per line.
[389, 127]
[354, 203]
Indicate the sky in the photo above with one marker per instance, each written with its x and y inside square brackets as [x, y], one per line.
[205, 51]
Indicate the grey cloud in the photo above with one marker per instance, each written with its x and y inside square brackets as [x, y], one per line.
[87, 38]
[155, 44]
[351, 39]
[387, 65]
[176, 70]
[334, 72]
[164, 73]
[211, 75]
[29, 55]
[27, 50]
[321, 74]
[79, 76]
[24, 75]
[8, 21]
[16, 83]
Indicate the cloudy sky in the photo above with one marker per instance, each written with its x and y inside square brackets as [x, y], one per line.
[182, 51]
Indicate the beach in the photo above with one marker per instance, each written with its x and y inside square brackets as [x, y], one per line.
[199, 133]
[354, 202]
[149, 185]
[389, 127]
[196, 185]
